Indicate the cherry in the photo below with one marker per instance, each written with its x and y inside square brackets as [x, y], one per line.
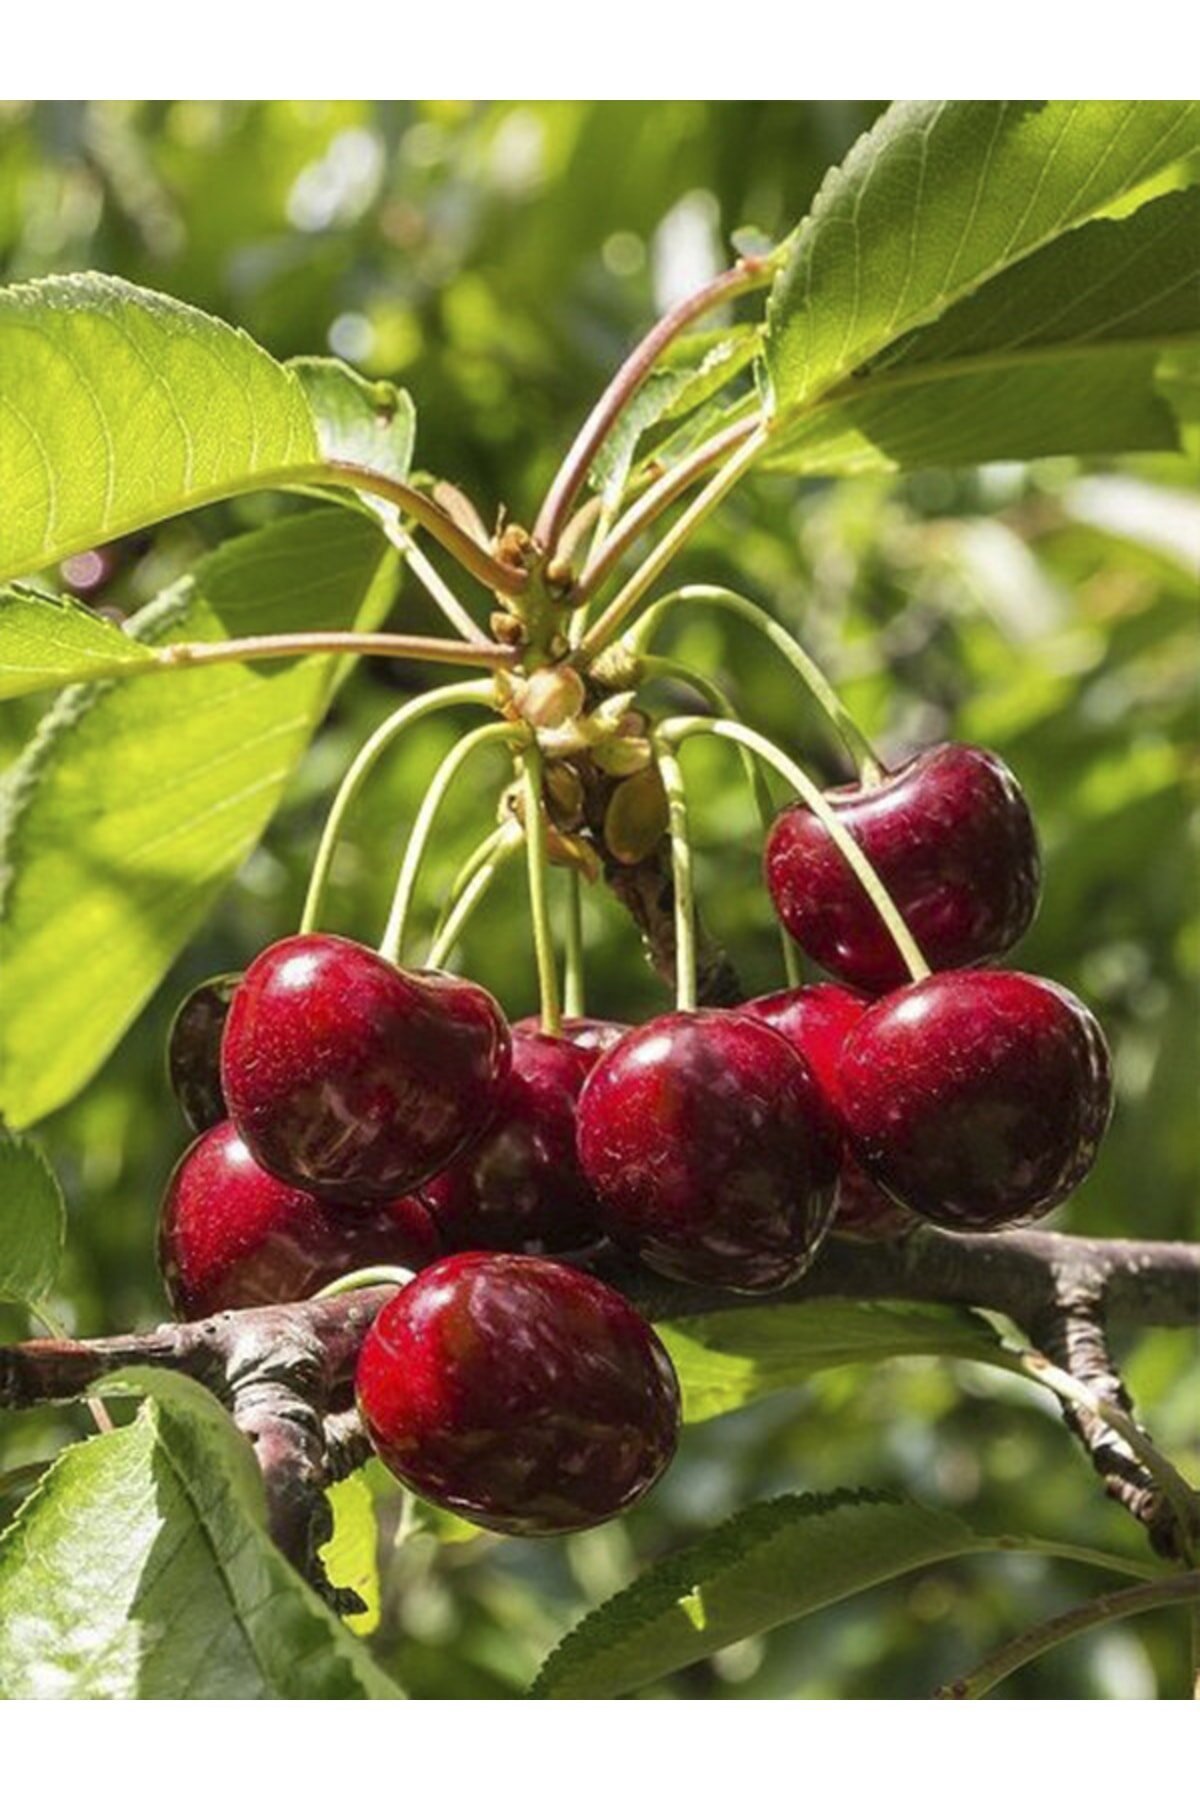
[520, 1187]
[710, 1150]
[589, 1034]
[354, 1079]
[978, 1098]
[194, 1051]
[816, 1021]
[951, 837]
[230, 1235]
[523, 1394]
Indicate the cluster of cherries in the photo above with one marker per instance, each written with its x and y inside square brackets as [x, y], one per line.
[354, 1114]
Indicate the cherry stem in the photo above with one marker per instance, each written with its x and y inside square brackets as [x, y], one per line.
[749, 273]
[706, 501]
[574, 988]
[1181, 1498]
[374, 1276]
[485, 654]
[655, 500]
[681, 873]
[392, 943]
[667, 669]
[478, 693]
[858, 745]
[500, 848]
[439, 591]
[677, 730]
[500, 577]
[1176, 1590]
[534, 820]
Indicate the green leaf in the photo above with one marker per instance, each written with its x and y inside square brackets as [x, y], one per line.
[370, 423]
[776, 1561]
[47, 641]
[725, 1360]
[1071, 351]
[939, 198]
[33, 1221]
[136, 801]
[119, 407]
[141, 1569]
[351, 1556]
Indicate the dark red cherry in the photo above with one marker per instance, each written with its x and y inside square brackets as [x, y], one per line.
[952, 840]
[816, 1021]
[524, 1395]
[589, 1034]
[520, 1186]
[352, 1078]
[710, 1150]
[230, 1235]
[194, 1051]
[978, 1098]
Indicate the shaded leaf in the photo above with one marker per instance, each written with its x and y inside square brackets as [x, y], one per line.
[141, 1569]
[370, 423]
[33, 1221]
[776, 1561]
[135, 802]
[725, 1360]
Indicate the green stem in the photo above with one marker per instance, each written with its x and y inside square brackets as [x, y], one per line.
[482, 654]
[1126, 1603]
[1035, 1367]
[666, 668]
[707, 500]
[377, 1275]
[439, 591]
[462, 693]
[503, 847]
[466, 870]
[676, 730]
[574, 989]
[539, 906]
[478, 561]
[681, 875]
[857, 744]
[392, 943]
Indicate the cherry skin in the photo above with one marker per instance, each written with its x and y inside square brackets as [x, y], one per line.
[524, 1395]
[353, 1079]
[194, 1051]
[710, 1150]
[816, 1021]
[978, 1098]
[952, 839]
[230, 1235]
[589, 1034]
[520, 1186]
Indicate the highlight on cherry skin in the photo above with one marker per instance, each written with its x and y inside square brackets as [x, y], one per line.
[354, 1079]
[522, 1394]
[978, 1098]
[231, 1235]
[711, 1150]
[950, 835]
[520, 1186]
[816, 1021]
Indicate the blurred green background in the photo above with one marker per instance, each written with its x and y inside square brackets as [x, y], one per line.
[497, 258]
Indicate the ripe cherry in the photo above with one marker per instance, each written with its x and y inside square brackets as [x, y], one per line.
[951, 837]
[816, 1021]
[520, 1186]
[524, 1395]
[354, 1079]
[230, 1235]
[589, 1034]
[194, 1051]
[978, 1098]
[710, 1150]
